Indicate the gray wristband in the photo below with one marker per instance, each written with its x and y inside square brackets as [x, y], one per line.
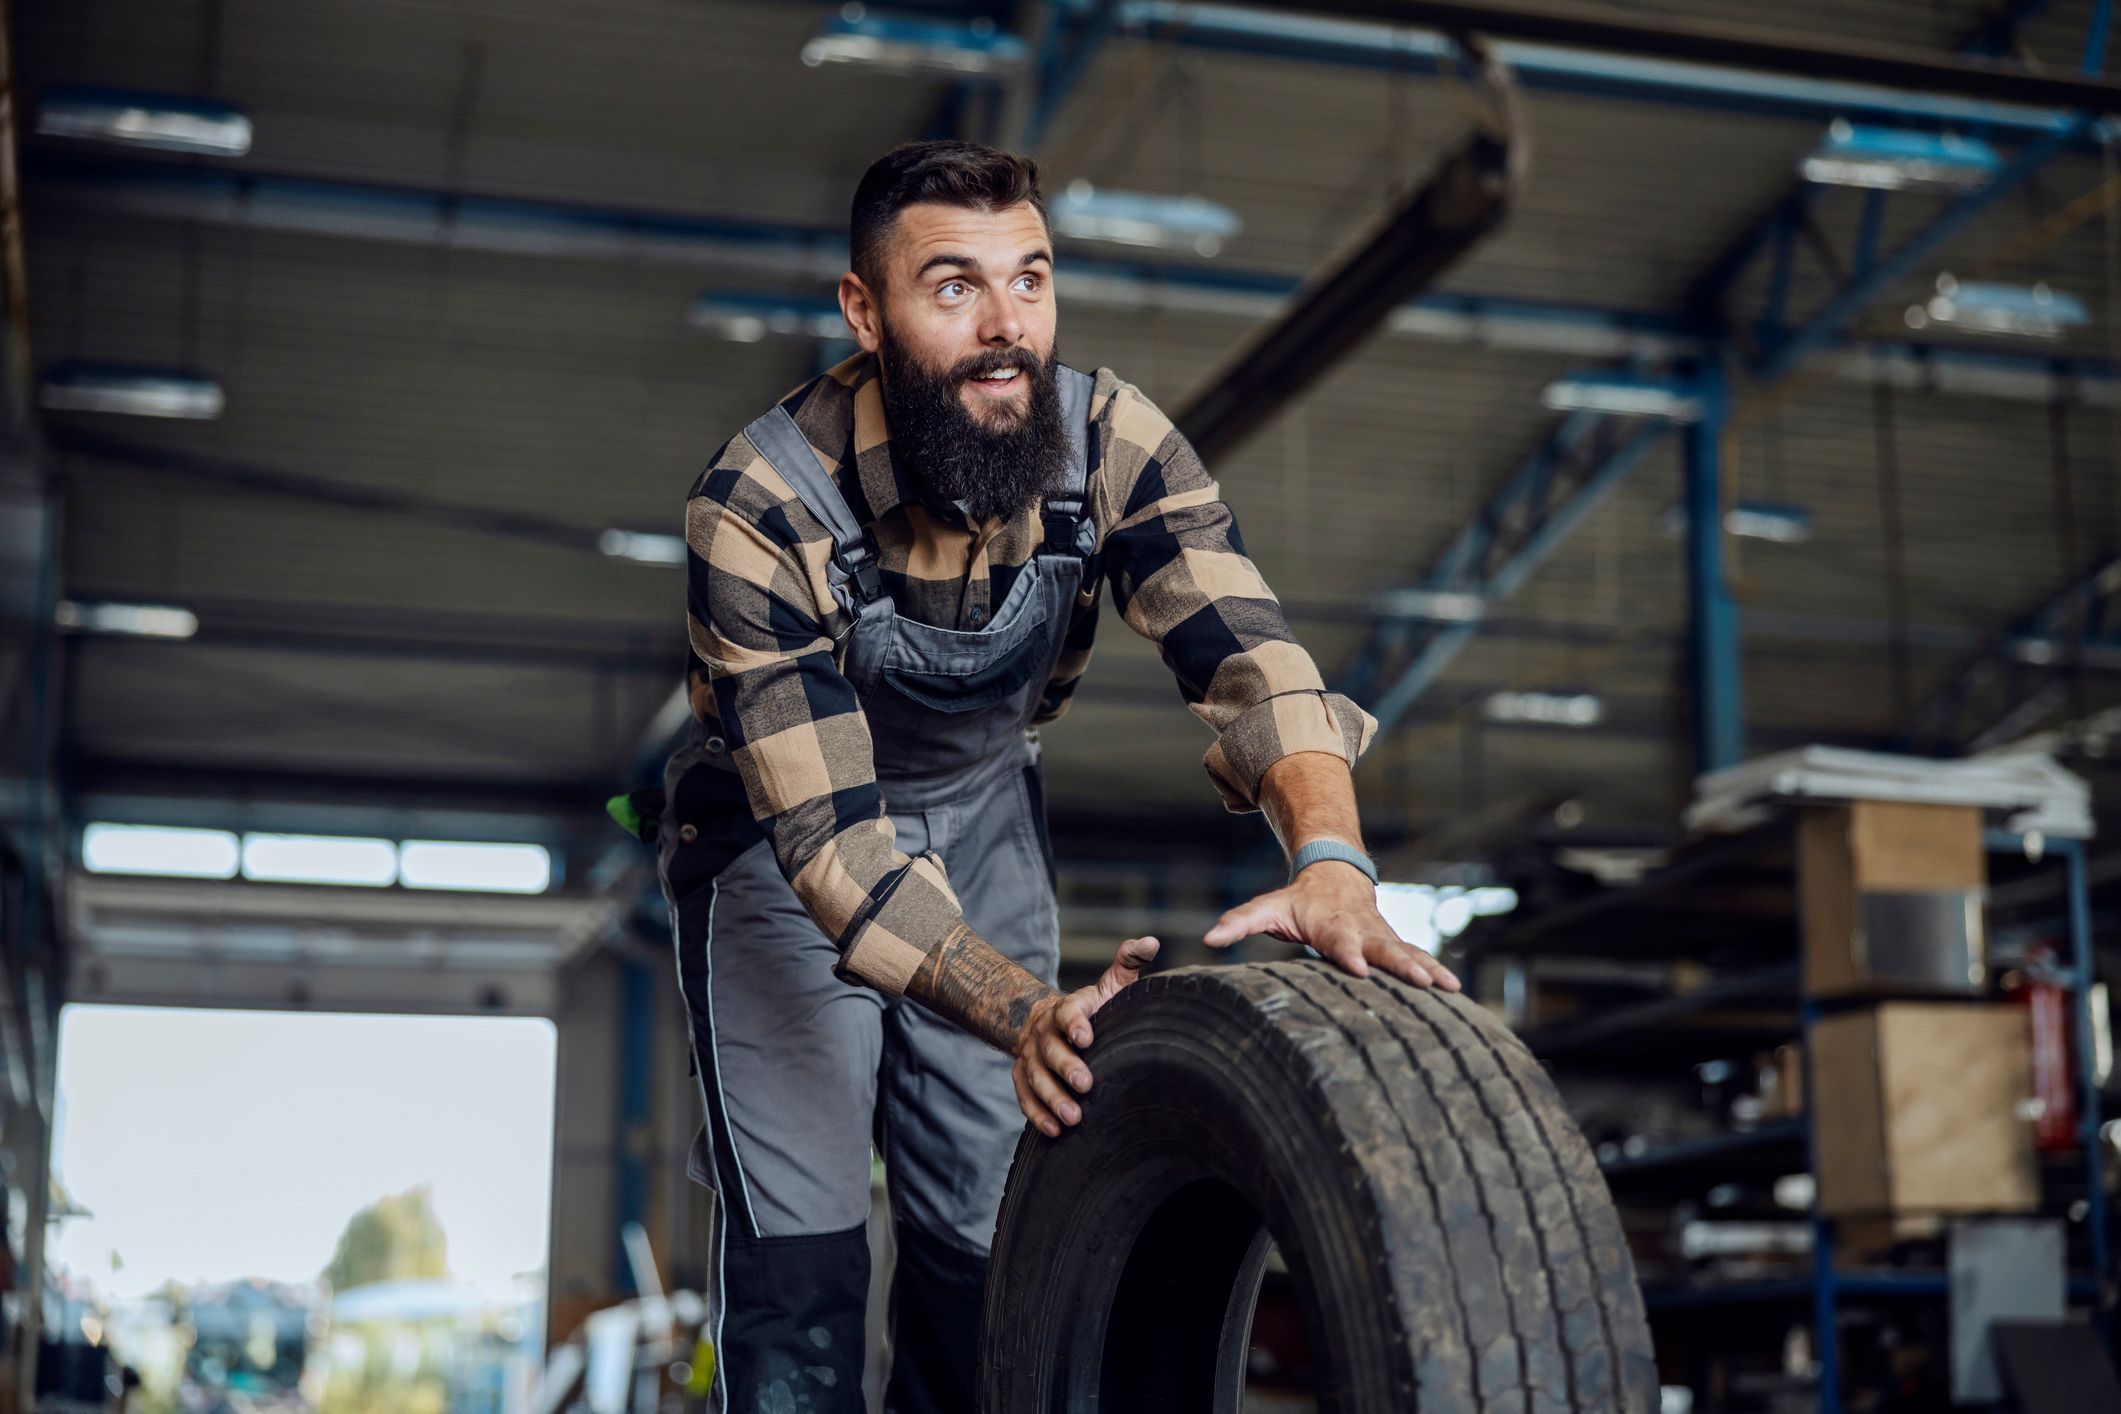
[1317, 850]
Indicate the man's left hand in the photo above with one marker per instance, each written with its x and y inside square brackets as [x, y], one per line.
[1332, 907]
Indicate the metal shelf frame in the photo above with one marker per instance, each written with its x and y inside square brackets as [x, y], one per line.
[1827, 1283]
[1830, 1283]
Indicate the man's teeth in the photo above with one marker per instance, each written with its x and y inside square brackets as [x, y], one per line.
[1002, 377]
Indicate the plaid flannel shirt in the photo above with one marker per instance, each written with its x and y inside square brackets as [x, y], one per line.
[763, 621]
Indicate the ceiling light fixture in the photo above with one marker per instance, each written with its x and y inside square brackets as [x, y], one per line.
[1435, 605]
[1895, 159]
[643, 547]
[1984, 307]
[748, 318]
[127, 620]
[916, 47]
[1548, 709]
[1753, 520]
[1084, 213]
[131, 392]
[1623, 395]
[144, 120]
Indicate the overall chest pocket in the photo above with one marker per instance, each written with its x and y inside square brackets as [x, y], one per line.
[941, 699]
[984, 686]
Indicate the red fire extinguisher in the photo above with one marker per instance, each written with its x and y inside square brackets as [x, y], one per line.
[2046, 1000]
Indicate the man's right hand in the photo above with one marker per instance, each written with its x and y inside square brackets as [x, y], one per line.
[1047, 1064]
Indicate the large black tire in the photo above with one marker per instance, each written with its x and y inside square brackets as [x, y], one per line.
[1450, 1241]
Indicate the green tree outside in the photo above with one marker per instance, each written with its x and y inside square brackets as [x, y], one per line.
[391, 1239]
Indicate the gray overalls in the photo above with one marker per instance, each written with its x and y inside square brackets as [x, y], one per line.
[798, 1070]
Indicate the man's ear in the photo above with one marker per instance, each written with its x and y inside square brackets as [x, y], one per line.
[863, 312]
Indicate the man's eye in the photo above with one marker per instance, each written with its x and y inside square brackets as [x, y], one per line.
[1029, 281]
[951, 289]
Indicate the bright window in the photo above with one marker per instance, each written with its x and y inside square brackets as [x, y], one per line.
[154, 849]
[1424, 914]
[488, 868]
[350, 860]
[320, 859]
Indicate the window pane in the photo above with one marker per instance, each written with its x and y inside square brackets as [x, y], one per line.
[319, 859]
[155, 849]
[489, 868]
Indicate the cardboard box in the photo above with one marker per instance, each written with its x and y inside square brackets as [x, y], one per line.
[1918, 1107]
[1781, 1079]
[1891, 899]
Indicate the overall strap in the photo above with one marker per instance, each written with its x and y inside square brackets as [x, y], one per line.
[1070, 531]
[853, 571]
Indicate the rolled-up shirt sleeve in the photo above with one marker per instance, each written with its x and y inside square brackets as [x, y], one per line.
[1180, 578]
[761, 619]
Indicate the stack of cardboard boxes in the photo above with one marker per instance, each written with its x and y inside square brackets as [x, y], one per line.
[1919, 1092]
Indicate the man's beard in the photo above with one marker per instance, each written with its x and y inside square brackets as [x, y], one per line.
[991, 471]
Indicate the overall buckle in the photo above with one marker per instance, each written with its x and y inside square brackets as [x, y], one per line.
[1065, 526]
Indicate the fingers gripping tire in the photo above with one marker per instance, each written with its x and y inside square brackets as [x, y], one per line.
[1450, 1241]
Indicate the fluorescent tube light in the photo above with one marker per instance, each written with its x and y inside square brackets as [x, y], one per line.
[914, 46]
[1552, 709]
[1438, 605]
[144, 120]
[749, 318]
[320, 859]
[1084, 213]
[1895, 159]
[132, 620]
[482, 868]
[643, 548]
[1983, 307]
[1623, 395]
[1753, 520]
[131, 392]
[154, 849]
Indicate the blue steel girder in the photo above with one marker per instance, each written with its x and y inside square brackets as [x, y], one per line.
[1996, 33]
[1714, 650]
[1871, 274]
[1069, 43]
[2013, 684]
[1580, 460]
[1420, 55]
[1780, 352]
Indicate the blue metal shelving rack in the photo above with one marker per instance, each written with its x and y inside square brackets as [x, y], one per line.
[1828, 1284]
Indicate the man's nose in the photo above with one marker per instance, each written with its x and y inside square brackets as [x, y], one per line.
[1003, 327]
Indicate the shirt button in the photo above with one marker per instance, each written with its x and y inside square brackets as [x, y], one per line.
[979, 616]
[688, 833]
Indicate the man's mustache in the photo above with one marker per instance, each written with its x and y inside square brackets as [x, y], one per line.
[985, 365]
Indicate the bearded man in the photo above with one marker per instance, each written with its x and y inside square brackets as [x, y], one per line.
[894, 581]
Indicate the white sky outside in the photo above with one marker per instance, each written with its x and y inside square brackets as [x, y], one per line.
[213, 1145]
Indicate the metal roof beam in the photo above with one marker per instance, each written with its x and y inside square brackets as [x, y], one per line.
[1065, 51]
[2011, 685]
[1460, 205]
[1786, 351]
[1791, 214]
[412, 216]
[1724, 46]
[1873, 275]
[1997, 34]
[264, 201]
[1581, 460]
[1548, 68]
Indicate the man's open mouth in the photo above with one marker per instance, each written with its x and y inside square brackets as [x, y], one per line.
[998, 380]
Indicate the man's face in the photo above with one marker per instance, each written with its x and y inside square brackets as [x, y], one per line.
[964, 333]
[971, 292]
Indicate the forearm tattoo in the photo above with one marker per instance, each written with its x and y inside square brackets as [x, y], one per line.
[966, 981]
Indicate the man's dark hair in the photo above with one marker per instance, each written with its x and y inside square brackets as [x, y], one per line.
[949, 172]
